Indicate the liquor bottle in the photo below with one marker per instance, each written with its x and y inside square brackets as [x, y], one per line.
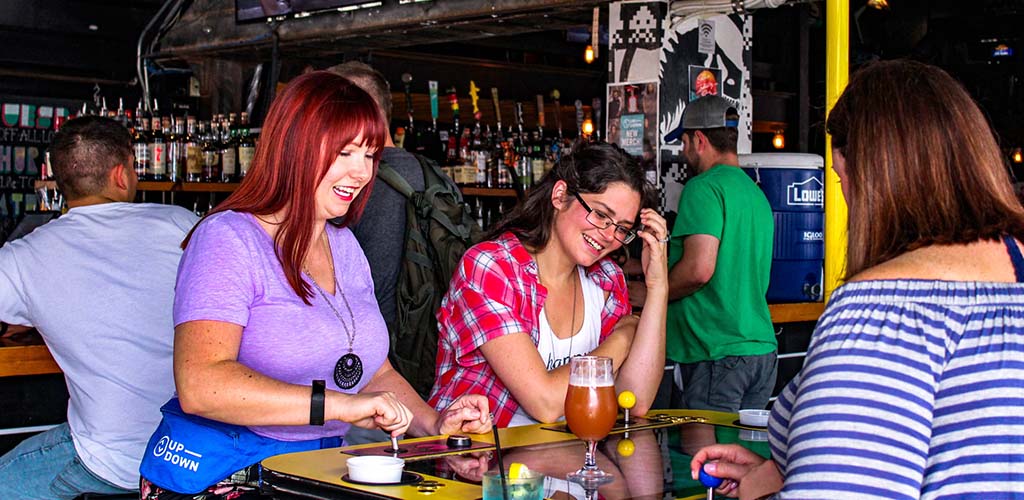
[211, 152]
[467, 167]
[228, 152]
[176, 153]
[193, 152]
[537, 156]
[521, 160]
[478, 155]
[157, 151]
[246, 146]
[508, 164]
[140, 144]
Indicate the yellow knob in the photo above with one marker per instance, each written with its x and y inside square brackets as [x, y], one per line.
[627, 399]
[625, 447]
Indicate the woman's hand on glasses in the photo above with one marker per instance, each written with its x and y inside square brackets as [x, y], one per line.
[654, 258]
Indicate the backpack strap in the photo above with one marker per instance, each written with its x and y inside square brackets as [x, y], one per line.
[393, 179]
[438, 183]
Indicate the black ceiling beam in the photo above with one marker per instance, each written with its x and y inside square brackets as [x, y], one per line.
[208, 27]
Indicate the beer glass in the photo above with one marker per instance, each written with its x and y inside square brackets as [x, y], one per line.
[590, 411]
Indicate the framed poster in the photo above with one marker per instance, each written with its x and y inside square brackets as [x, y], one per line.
[632, 122]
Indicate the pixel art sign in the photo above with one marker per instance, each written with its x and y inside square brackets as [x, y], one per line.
[636, 30]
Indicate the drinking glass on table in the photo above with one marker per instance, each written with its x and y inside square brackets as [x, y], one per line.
[590, 411]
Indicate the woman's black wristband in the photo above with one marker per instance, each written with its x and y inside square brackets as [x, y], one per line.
[316, 403]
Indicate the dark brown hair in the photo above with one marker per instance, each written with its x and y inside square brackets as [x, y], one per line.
[922, 164]
[309, 122]
[83, 152]
[589, 168]
[723, 139]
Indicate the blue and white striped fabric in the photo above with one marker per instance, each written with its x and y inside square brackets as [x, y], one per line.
[911, 389]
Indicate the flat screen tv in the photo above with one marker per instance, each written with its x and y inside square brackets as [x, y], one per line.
[259, 10]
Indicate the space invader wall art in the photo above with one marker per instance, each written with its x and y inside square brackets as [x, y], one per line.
[701, 55]
[636, 31]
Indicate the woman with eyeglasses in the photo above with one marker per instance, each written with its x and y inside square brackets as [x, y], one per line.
[541, 289]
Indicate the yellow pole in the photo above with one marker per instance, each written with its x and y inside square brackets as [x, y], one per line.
[837, 72]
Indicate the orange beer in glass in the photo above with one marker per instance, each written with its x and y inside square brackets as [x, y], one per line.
[590, 411]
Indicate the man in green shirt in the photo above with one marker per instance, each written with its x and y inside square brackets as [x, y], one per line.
[719, 330]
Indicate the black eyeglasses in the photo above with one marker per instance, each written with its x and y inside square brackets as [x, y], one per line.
[599, 220]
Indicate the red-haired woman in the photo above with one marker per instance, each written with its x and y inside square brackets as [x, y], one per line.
[271, 299]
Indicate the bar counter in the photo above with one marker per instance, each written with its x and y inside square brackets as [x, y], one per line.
[649, 460]
[24, 353]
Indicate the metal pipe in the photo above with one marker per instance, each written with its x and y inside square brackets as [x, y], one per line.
[139, 65]
[38, 75]
[25, 430]
[837, 72]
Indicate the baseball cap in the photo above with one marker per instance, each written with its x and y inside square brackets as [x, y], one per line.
[710, 111]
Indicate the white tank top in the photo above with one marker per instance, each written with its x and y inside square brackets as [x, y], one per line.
[556, 352]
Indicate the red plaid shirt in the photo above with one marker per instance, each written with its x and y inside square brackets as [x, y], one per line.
[495, 292]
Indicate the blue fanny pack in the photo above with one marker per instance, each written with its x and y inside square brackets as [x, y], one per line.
[188, 453]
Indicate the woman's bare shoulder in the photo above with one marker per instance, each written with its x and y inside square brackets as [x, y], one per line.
[977, 261]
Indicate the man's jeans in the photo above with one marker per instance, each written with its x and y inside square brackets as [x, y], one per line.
[46, 466]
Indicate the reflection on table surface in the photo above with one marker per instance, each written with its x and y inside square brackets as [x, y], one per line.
[653, 463]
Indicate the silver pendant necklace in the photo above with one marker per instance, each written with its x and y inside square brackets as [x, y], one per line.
[348, 371]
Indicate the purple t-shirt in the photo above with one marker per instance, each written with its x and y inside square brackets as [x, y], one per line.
[229, 272]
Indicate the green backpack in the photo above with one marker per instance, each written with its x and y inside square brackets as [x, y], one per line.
[439, 229]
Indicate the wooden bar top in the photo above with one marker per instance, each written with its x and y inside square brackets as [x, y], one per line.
[792, 313]
[24, 353]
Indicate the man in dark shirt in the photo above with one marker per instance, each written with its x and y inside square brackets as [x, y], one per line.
[381, 230]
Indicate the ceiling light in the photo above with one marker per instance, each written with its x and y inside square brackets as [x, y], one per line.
[879, 4]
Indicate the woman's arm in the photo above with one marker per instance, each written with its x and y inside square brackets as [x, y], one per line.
[541, 393]
[212, 383]
[644, 367]
[467, 414]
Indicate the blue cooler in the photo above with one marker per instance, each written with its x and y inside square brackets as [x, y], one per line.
[793, 184]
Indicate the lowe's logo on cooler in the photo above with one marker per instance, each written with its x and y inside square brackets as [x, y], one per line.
[172, 451]
[813, 236]
[806, 194]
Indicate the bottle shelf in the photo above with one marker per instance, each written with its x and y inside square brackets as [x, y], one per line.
[188, 187]
[488, 192]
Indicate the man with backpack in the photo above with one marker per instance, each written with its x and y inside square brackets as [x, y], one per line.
[381, 230]
[411, 261]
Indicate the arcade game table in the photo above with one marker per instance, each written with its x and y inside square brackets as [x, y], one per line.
[649, 457]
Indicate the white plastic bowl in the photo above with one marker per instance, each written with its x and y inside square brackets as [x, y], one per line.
[375, 469]
[754, 418]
